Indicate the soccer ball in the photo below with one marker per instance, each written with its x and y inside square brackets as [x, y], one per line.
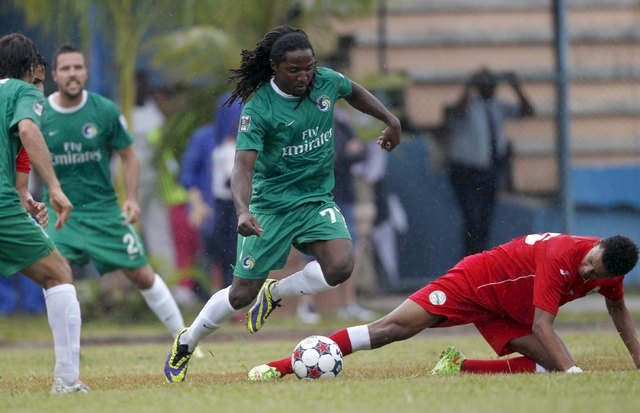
[316, 357]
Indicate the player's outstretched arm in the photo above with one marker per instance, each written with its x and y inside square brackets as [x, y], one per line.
[625, 326]
[364, 101]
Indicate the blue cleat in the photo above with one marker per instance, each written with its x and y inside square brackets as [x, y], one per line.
[263, 307]
[175, 368]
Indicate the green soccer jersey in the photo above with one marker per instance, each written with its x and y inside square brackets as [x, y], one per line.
[18, 100]
[294, 140]
[81, 140]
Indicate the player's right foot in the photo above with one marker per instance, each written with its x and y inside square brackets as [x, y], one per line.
[175, 367]
[264, 372]
[263, 307]
[450, 362]
[60, 387]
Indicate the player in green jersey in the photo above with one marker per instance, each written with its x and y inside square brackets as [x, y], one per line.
[82, 129]
[282, 183]
[24, 246]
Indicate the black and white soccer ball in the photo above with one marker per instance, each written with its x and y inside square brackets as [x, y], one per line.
[317, 357]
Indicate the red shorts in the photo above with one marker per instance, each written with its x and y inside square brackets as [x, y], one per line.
[451, 296]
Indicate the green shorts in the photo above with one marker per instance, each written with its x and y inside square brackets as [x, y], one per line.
[99, 237]
[22, 241]
[315, 221]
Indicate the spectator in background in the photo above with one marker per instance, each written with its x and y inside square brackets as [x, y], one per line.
[185, 239]
[477, 147]
[348, 151]
[381, 219]
[154, 222]
[205, 171]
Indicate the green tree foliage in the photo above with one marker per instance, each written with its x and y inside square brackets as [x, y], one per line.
[192, 42]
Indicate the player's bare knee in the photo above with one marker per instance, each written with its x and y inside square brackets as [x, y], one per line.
[50, 271]
[142, 278]
[338, 274]
[62, 272]
[241, 297]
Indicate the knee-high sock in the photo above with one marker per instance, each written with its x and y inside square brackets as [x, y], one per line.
[309, 280]
[63, 313]
[162, 303]
[509, 365]
[349, 340]
[213, 314]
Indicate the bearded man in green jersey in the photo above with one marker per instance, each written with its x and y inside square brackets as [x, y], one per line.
[82, 129]
[24, 246]
[282, 183]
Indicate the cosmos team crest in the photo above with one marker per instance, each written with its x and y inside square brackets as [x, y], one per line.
[248, 262]
[89, 130]
[323, 103]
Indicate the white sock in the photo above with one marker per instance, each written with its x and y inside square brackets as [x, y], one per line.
[359, 337]
[307, 281]
[217, 310]
[540, 369]
[63, 313]
[162, 303]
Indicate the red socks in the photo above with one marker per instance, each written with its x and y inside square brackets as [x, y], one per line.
[283, 366]
[510, 365]
[341, 338]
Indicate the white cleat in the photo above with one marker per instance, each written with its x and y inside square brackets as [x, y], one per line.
[60, 387]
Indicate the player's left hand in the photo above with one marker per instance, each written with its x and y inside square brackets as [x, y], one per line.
[131, 210]
[389, 138]
[39, 211]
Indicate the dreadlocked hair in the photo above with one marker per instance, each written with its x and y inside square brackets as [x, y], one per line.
[255, 65]
[620, 255]
[18, 55]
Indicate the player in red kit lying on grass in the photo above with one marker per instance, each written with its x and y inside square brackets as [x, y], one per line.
[511, 294]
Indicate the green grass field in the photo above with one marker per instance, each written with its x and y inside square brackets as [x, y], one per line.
[123, 366]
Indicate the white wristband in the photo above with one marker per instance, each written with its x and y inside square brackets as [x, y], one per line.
[573, 369]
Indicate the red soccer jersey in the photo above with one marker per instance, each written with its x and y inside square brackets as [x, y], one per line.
[22, 162]
[538, 270]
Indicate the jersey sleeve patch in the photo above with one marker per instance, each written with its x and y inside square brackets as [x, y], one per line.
[245, 120]
[37, 108]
